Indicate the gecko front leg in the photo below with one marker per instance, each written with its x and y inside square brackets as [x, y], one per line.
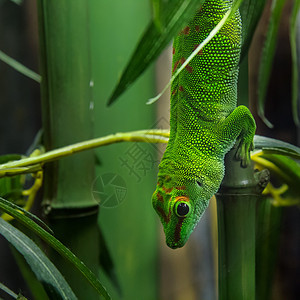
[240, 126]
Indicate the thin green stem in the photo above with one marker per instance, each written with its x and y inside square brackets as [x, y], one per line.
[19, 67]
[8, 291]
[30, 164]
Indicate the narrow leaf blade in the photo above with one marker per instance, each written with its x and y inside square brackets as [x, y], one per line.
[276, 146]
[289, 172]
[157, 18]
[107, 263]
[36, 288]
[19, 2]
[19, 67]
[56, 245]
[27, 213]
[43, 268]
[294, 33]
[8, 291]
[175, 14]
[268, 56]
[251, 11]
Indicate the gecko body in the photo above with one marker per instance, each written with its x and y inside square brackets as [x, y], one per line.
[204, 124]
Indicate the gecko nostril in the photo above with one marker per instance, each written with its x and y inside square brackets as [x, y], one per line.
[199, 183]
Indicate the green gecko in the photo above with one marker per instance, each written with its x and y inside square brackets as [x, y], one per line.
[205, 122]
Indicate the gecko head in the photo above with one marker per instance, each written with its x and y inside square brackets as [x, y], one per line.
[181, 200]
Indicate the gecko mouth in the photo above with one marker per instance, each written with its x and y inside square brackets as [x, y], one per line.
[172, 245]
[175, 245]
[176, 241]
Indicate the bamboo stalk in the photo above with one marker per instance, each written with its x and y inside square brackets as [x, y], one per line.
[67, 119]
[267, 242]
[236, 205]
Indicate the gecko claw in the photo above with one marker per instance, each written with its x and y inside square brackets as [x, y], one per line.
[243, 153]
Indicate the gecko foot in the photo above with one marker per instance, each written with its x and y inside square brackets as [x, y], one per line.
[243, 152]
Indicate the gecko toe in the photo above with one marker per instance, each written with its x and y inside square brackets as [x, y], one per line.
[243, 153]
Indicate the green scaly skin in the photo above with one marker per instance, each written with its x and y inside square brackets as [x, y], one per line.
[205, 122]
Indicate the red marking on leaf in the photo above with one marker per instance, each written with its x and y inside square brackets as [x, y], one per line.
[186, 30]
[181, 89]
[174, 92]
[197, 28]
[173, 50]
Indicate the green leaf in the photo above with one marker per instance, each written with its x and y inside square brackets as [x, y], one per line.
[294, 31]
[36, 143]
[157, 18]
[35, 287]
[19, 67]
[289, 172]
[45, 271]
[9, 157]
[268, 56]
[251, 11]
[107, 263]
[56, 245]
[175, 14]
[26, 213]
[8, 291]
[11, 188]
[274, 146]
[19, 2]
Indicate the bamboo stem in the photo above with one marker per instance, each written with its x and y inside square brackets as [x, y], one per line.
[236, 205]
[268, 233]
[65, 63]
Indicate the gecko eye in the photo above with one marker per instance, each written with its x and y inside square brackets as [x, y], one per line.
[182, 209]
